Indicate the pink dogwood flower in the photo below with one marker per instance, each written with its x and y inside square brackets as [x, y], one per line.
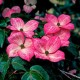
[1, 1]
[55, 24]
[27, 9]
[48, 49]
[19, 46]
[7, 12]
[17, 24]
[29, 6]
[63, 34]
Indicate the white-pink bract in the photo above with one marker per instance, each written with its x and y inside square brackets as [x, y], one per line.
[19, 46]
[63, 34]
[28, 8]
[56, 24]
[48, 49]
[7, 12]
[17, 24]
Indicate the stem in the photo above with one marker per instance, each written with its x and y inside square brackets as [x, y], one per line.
[69, 74]
[64, 74]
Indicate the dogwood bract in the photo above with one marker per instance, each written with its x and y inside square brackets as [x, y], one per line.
[55, 24]
[48, 49]
[63, 34]
[17, 24]
[19, 46]
[7, 11]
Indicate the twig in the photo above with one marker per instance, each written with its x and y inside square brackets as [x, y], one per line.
[64, 74]
[69, 74]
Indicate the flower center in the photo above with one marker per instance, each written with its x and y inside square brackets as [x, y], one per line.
[30, 4]
[58, 24]
[46, 52]
[21, 29]
[22, 46]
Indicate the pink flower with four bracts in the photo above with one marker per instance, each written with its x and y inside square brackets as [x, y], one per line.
[19, 46]
[17, 24]
[55, 24]
[7, 12]
[48, 49]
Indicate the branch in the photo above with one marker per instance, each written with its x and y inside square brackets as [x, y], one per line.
[64, 72]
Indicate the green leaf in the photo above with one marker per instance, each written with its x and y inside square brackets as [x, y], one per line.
[17, 64]
[25, 76]
[36, 73]
[3, 68]
[2, 38]
[0, 59]
[40, 71]
[3, 23]
[72, 49]
[7, 19]
[1, 78]
[41, 33]
[31, 76]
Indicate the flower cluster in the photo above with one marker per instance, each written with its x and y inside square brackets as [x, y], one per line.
[25, 45]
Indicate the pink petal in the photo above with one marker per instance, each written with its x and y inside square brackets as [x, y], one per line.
[16, 37]
[16, 9]
[40, 18]
[63, 34]
[27, 9]
[26, 53]
[64, 19]
[1, 1]
[12, 50]
[17, 23]
[39, 45]
[51, 18]
[40, 55]
[37, 17]
[57, 56]
[45, 38]
[28, 42]
[65, 43]
[53, 44]
[13, 32]
[7, 12]
[50, 28]
[74, 71]
[70, 26]
[11, 27]
[31, 25]
[29, 34]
